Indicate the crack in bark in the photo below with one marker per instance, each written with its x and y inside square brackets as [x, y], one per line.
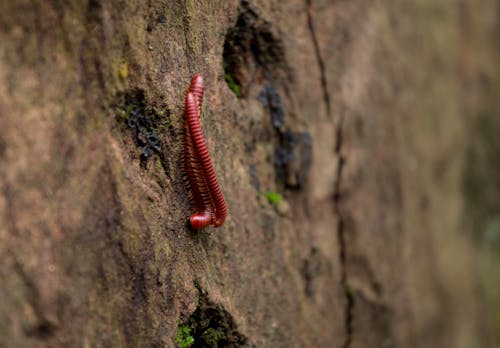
[348, 311]
[336, 195]
[321, 63]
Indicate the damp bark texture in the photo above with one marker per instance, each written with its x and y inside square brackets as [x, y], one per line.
[356, 143]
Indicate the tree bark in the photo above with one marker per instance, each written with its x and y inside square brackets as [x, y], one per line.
[356, 143]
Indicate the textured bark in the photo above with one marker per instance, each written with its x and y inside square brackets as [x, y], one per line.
[377, 121]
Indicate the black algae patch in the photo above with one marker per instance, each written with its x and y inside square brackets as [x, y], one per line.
[270, 99]
[293, 151]
[142, 123]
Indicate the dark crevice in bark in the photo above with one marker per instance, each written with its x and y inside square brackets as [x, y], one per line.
[349, 296]
[349, 307]
[211, 325]
[321, 63]
[253, 54]
[348, 312]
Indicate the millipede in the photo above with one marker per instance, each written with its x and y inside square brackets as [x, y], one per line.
[205, 194]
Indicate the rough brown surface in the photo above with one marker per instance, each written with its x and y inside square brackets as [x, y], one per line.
[377, 121]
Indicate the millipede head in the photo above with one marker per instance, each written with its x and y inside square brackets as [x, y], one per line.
[197, 86]
[200, 220]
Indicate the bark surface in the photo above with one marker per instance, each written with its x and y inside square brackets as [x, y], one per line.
[356, 143]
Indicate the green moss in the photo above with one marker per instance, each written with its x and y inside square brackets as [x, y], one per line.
[184, 338]
[122, 115]
[123, 70]
[212, 336]
[233, 86]
[274, 197]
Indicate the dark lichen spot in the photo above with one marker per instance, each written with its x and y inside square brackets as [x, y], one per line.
[155, 20]
[142, 122]
[270, 99]
[293, 150]
[212, 326]
[162, 19]
[293, 159]
[254, 180]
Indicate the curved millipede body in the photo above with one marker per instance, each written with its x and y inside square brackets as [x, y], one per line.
[205, 193]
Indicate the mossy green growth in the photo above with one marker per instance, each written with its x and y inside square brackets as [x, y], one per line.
[274, 197]
[122, 115]
[211, 336]
[184, 338]
[233, 86]
[231, 83]
[123, 70]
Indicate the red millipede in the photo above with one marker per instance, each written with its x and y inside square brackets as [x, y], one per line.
[205, 193]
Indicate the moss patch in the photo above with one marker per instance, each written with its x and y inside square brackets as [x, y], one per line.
[231, 83]
[184, 338]
[273, 197]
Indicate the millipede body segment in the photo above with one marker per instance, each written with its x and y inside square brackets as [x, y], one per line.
[205, 194]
